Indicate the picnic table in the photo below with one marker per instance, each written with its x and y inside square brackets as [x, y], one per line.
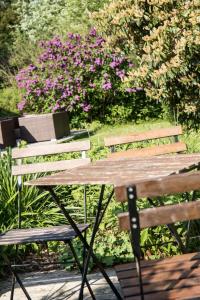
[117, 173]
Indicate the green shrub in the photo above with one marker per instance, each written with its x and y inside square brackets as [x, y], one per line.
[9, 97]
[163, 38]
[78, 75]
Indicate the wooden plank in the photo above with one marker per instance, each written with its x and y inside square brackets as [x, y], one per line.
[149, 151]
[51, 149]
[171, 261]
[138, 137]
[168, 214]
[192, 293]
[162, 286]
[165, 185]
[122, 172]
[49, 166]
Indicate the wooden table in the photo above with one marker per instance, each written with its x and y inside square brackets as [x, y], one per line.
[122, 171]
[118, 173]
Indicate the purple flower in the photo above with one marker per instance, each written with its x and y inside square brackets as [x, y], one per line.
[32, 68]
[120, 73]
[38, 92]
[138, 89]
[92, 68]
[131, 90]
[77, 97]
[21, 105]
[86, 107]
[98, 61]
[92, 85]
[56, 107]
[93, 32]
[113, 64]
[107, 86]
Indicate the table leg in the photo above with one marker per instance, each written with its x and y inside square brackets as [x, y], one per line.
[83, 240]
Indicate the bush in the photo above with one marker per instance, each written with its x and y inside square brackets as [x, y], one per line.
[77, 75]
[9, 97]
[163, 37]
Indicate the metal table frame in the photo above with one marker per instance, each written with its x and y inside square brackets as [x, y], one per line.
[113, 172]
[88, 246]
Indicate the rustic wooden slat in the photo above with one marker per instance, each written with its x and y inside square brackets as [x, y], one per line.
[50, 149]
[152, 134]
[150, 151]
[177, 280]
[49, 166]
[55, 233]
[167, 214]
[159, 263]
[165, 185]
[162, 286]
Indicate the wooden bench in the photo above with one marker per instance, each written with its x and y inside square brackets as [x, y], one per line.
[176, 277]
[161, 149]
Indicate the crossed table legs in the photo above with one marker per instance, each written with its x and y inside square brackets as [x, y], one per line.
[88, 246]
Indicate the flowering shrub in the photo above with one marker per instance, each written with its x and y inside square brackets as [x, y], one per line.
[75, 74]
[164, 37]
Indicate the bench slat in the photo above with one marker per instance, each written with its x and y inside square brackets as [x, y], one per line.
[139, 137]
[50, 149]
[49, 166]
[149, 151]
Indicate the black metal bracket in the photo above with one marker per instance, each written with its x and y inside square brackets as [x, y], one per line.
[135, 231]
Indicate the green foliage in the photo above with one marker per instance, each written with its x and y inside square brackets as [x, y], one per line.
[9, 97]
[163, 38]
[44, 18]
[8, 18]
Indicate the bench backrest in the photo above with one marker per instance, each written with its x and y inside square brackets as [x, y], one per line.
[145, 136]
[51, 149]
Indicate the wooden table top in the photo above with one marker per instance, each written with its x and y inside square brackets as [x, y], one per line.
[122, 171]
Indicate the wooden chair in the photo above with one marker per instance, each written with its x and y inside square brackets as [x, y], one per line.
[63, 233]
[161, 149]
[146, 136]
[175, 277]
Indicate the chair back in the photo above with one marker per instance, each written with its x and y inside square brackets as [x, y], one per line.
[49, 166]
[174, 147]
[166, 214]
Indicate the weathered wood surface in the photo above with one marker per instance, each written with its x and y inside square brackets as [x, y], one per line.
[162, 186]
[51, 149]
[172, 278]
[124, 171]
[163, 215]
[150, 151]
[30, 235]
[143, 136]
[49, 166]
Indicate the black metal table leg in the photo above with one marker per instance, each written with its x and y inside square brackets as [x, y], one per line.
[80, 267]
[95, 228]
[83, 240]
